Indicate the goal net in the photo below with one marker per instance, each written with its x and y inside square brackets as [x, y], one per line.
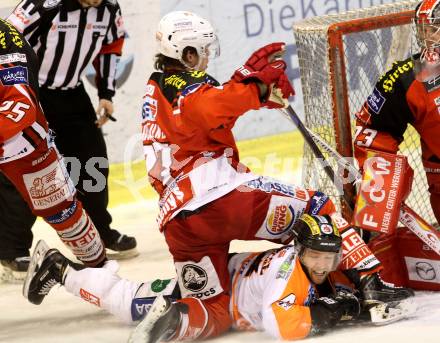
[341, 57]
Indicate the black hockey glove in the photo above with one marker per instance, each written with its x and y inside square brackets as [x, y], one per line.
[328, 311]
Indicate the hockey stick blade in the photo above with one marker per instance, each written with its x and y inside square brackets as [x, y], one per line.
[37, 257]
[407, 216]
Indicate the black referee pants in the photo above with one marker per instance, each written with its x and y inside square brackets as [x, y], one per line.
[71, 116]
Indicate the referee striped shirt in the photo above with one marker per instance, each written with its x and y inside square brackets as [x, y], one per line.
[67, 37]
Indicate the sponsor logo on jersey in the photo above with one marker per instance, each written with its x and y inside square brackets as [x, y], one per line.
[282, 213]
[15, 156]
[205, 294]
[141, 306]
[375, 101]
[150, 90]
[191, 89]
[287, 302]
[89, 297]
[286, 267]
[198, 279]
[197, 74]
[269, 185]
[14, 36]
[175, 81]
[159, 285]
[149, 109]
[13, 76]
[41, 158]
[388, 80]
[339, 222]
[11, 58]
[63, 215]
[317, 202]
[194, 277]
[280, 220]
[49, 186]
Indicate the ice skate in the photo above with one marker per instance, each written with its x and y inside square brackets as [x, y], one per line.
[46, 269]
[160, 324]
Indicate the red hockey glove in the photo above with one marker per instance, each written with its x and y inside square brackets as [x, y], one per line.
[263, 56]
[279, 93]
[259, 60]
[269, 74]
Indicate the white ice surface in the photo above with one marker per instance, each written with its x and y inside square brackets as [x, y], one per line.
[64, 318]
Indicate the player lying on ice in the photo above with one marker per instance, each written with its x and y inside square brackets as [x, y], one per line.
[207, 197]
[291, 292]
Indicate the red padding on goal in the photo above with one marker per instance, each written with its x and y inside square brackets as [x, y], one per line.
[407, 260]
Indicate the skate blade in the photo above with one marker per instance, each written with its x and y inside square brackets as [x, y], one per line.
[141, 333]
[121, 255]
[386, 313]
[37, 257]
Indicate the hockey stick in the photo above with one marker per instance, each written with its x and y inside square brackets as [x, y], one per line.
[407, 216]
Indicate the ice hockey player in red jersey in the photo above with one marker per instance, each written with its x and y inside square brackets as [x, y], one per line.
[290, 292]
[28, 157]
[207, 197]
[409, 93]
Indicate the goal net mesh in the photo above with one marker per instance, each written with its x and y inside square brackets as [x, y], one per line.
[341, 57]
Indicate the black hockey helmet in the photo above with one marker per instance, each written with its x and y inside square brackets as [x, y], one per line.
[318, 233]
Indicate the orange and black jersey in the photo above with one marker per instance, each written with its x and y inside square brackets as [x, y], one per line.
[22, 123]
[397, 100]
[271, 292]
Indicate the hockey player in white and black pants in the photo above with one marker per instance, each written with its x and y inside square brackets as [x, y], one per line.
[67, 35]
[291, 292]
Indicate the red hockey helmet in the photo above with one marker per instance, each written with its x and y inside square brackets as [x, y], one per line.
[427, 21]
[427, 24]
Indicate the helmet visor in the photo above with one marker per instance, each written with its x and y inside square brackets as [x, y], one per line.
[212, 49]
[321, 261]
[428, 32]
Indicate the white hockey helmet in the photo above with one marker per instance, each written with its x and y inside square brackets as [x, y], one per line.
[180, 29]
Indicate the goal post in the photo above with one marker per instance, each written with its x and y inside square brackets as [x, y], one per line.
[341, 57]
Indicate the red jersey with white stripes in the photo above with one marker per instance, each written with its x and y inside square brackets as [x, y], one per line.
[191, 155]
[22, 122]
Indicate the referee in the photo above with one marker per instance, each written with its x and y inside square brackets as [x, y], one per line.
[67, 35]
